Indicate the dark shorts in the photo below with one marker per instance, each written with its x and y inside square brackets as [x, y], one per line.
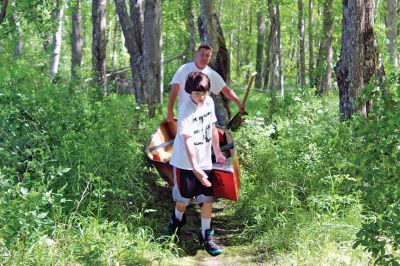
[187, 186]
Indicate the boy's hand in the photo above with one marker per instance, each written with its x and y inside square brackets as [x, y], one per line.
[202, 177]
[220, 158]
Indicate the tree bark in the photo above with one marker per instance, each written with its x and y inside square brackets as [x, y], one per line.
[260, 50]
[358, 57]
[274, 63]
[210, 32]
[302, 50]
[77, 40]
[392, 31]
[325, 54]
[191, 29]
[20, 34]
[99, 41]
[3, 11]
[267, 64]
[116, 35]
[132, 27]
[57, 39]
[279, 47]
[310, 44]
[152, 55]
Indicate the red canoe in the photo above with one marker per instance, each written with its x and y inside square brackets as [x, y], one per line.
[225, 177]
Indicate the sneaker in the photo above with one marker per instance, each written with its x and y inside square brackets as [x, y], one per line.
[174, 225]
[208, 243]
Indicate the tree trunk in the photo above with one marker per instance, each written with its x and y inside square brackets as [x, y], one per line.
[358, 56]
[19, 49]
[247, 46]
[392, 32]
[99, 41]
[3, 10]
[57, 39]
[302, 50]
[210, 32]
[152, 55]
[132, 27]
[325, 54]
[260, 50]
[191, 29]
[77, 40]
[274, 63]
[310, 44]
[114, 52]
[279, 46]
[238, 38]
[267, 59]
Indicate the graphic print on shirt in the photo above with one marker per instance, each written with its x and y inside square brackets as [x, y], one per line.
[201, 132]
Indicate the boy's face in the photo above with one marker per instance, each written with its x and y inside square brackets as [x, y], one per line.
[198, 97]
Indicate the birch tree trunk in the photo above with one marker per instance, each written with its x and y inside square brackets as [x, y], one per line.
[310, 43]
[392, 31]
[99, 41]
[238, 38]
[77, 40]
[267, 59]
[116, 40]
[302, 50]
[325, 54]
[358, 57]
[20, 35]
[210, 32]
[191, 29]
[55, 59]
[152, 55]
[132, 27]
[260, 50]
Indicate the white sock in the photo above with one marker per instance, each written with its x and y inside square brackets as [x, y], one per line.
[178, 214]
[205, 224]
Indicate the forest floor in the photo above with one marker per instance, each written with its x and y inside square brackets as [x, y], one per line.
[227, 231]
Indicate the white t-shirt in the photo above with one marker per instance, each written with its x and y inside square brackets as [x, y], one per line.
[216, 81]
[195, 121]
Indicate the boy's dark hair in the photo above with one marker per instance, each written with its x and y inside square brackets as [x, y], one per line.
[205, 46]
[197, 81]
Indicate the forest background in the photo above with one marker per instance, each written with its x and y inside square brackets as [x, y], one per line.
[84, 83]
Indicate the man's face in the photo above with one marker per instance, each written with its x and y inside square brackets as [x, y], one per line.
[203, 57]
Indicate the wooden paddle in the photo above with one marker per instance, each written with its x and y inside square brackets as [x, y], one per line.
[238, 119]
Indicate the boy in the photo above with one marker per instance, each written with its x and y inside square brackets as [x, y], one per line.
[191, 158]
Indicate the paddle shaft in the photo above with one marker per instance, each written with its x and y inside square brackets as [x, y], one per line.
[248, 89]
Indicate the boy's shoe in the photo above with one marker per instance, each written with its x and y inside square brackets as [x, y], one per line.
[174, 225]
[208, 243]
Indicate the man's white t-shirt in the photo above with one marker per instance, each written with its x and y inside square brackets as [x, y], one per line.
[195, 121]
[216, 81]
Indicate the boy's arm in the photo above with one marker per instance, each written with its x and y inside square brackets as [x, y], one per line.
[172, 97]
[199, 173]
[219, 157]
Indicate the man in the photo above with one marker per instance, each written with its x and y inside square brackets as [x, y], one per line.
[203, 56]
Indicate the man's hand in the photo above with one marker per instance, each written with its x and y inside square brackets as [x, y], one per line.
[202, 177]
[170, 116]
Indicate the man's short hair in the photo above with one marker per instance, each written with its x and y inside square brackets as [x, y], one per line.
[205, 46]
[197, 81]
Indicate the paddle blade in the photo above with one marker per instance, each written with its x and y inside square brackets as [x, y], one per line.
[236, 121]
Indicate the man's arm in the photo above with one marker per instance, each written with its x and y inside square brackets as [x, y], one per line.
[199, 173]
[219, 157]
[172, 97]
[231, 95]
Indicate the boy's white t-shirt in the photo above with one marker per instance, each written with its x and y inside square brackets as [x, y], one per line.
[216, 81]
[195, 121]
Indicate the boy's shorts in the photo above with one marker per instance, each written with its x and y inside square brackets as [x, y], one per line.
[187, 186]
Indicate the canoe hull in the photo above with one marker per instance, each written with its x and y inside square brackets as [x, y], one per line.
[226, 178]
